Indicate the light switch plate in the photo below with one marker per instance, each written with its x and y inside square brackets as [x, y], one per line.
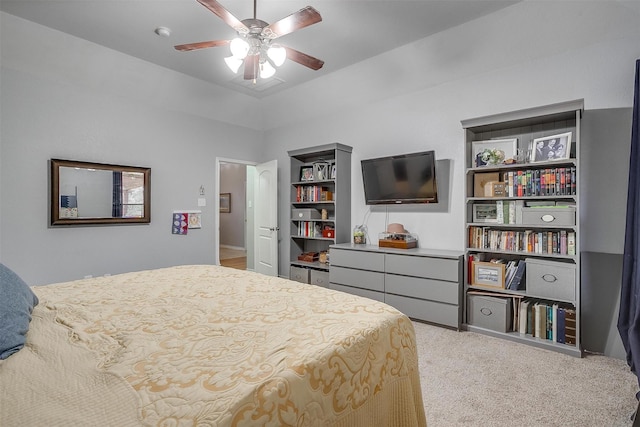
[202, 201]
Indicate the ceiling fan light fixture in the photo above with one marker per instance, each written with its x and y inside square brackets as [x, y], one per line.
[233, 63]
[239, 48]
[277, 54]
[266, 70]
[253, 46]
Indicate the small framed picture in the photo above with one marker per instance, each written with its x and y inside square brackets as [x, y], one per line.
[333, 171]
[550, 148]
[485, 212]
[489, 274]
[493, 151]
[225, 202]
[306, 173]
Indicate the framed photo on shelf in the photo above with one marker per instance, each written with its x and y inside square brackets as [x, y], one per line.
[553, 147]
[333, 171]
[485, 212]
[488, 274]
[225, 202]
[508, 146]
[306, 173]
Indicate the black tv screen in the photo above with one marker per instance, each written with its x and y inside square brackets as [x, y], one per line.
[406, 178]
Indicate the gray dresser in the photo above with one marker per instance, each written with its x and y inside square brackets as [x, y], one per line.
[425, 284]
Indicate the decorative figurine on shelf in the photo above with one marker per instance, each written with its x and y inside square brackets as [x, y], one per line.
[321, 171]
[492, 156]
[360, 234]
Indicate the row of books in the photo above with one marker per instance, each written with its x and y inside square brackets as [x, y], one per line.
[309, 229]
[313, 193]
[560, 242]
[541, 182]
[546, 320]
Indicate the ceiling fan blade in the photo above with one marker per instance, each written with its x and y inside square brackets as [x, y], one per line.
[251, 63]
[225, 15]
[304, 59]
[201, 45]
[300, 19]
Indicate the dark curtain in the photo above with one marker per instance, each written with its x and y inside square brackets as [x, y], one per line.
[629, 316]
[116, 207]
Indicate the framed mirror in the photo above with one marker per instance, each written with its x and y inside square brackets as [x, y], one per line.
[85, 193]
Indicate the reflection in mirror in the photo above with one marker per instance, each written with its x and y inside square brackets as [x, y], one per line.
[96, 193]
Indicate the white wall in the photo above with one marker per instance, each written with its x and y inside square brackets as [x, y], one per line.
[59, 104]
[530, 54]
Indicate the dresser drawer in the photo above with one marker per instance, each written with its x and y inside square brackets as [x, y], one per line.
[429, 311]
[357, 259]
[358, 278]
[420, 266]
[429, 289]
[551, 279]
[378, 296]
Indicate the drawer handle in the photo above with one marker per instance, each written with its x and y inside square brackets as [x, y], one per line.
[486, 311]
[548, 218]
[549, 278]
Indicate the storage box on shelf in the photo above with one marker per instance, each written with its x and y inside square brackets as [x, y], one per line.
[320, 208]
[523, 215]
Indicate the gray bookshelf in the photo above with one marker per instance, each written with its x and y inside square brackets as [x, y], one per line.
[327, 189]
[535, 235]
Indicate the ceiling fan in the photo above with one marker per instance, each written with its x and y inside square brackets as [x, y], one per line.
[254, 45]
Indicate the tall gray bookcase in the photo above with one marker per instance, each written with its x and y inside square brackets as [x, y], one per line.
[525, 211]
[320, 183]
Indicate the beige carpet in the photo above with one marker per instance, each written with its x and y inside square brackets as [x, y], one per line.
[473, 380]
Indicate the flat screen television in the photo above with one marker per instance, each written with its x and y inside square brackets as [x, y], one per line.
[406, 178]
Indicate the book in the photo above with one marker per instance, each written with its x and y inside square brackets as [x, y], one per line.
[518, 281]
[522, 323]
[500, 212]
[570, 326]
[519, 204]
[531, 317]
[554, 330]
[540, 320]
[560, 325]
[571, 243]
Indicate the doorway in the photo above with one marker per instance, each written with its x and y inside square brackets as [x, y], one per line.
[257, 188]
[235, 214]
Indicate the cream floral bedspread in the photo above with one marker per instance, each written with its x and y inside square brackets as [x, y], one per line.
[212, 346]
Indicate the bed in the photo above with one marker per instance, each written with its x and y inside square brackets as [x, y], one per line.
[208, 345]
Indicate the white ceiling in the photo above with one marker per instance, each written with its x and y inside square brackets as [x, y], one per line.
[350, 31]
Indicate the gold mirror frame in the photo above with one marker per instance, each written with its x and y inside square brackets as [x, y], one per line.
[57, 219]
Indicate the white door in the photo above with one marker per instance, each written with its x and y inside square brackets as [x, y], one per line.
[266, 221]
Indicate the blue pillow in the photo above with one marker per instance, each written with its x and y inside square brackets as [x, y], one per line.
[16, 304]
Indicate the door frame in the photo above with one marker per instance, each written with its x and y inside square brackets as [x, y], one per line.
[216, 213]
